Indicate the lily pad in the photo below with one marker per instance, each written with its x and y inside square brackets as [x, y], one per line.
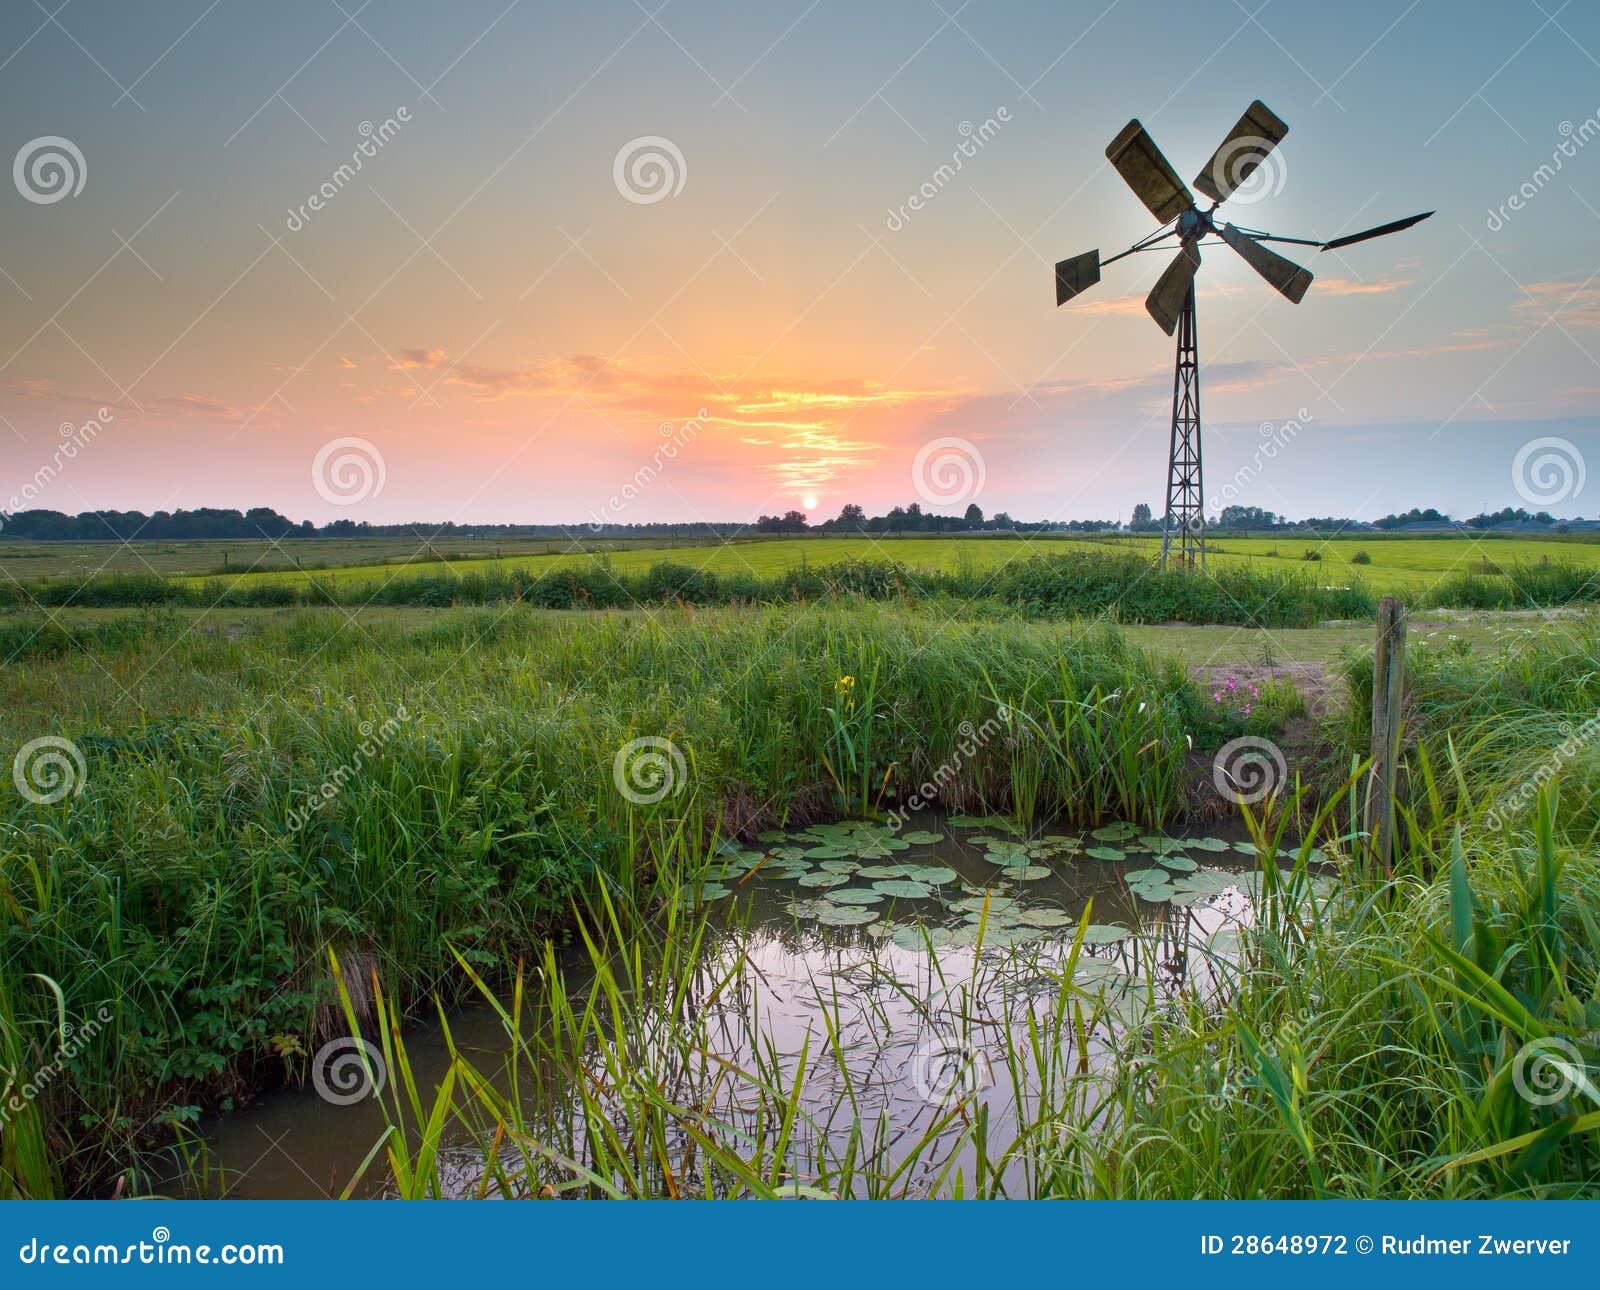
[921, 838]
[827, 853]
[825, 879]
[1209, 844]
[903, 888]
[886, 870]
[846, 916]
[838, 866]
[935, 875]
[806, 909]
[1177, 864]
[1046, 918]
[730, 866]
[1208, 882]
[1134, 877]
[689, 897]
[912, 936]
[1008, 859]
[854, 896]
[1114, 832]
[1029, 873]
[788, 853]
[974, 904]
[1106, 853]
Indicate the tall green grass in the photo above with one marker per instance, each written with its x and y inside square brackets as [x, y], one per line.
[413, 800]
[1431, 1031]
[1126, 587]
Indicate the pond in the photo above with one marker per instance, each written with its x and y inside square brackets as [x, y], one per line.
[912, 967]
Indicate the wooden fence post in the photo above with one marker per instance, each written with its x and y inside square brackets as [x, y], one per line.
[1388, 690]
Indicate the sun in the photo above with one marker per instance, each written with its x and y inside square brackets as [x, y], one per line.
[810, 503]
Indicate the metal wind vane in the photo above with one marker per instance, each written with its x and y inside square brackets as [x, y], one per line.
[1185, 228]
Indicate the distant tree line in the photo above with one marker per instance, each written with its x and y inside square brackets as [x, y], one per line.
[264, 522]
[911, 518]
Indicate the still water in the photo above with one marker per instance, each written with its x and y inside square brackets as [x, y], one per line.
[862, 944]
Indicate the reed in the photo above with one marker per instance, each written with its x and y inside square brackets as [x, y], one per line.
[1378, 1042]
[419, 799]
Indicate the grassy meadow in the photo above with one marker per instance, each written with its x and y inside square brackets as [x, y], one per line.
[248, 802]
[1385, 565]
[1430, 1030]
[282, 822]
[1397, 565]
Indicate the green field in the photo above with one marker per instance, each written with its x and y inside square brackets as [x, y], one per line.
[1398, 564]
[25, 560]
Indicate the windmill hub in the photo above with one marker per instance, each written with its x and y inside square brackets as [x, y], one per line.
[1194, 223]
[1184, 228]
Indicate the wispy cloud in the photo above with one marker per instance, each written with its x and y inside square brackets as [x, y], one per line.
[1573, 303]
[1352, 287]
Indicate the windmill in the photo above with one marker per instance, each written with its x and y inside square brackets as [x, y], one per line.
[1185, 227]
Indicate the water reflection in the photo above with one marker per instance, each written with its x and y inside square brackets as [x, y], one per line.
[905, 1022]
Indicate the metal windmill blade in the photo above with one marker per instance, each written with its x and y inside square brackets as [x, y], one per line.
[1077, 274]
[1285, 275]
[1246, 146]
[1185, 228]
[1151, 176]
[1165, 303]
[1350, 239]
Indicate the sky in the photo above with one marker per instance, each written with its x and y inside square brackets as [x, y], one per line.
[508, 261]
